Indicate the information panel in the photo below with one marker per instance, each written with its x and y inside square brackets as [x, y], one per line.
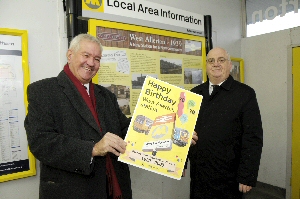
[16, 161]
[133, 52]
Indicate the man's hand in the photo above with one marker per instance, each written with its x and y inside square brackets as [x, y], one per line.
[244, 188]
[183, 173]
[109, 143]
[194, 138]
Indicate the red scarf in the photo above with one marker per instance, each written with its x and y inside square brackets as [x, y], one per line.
[90, 101]
[113, 184]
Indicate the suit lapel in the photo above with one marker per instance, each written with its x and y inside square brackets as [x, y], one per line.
[76, 100]
[203, 90]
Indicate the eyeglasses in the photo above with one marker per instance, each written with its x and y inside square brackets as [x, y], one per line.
[220, 60]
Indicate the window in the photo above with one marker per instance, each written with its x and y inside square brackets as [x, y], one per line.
[267, 16]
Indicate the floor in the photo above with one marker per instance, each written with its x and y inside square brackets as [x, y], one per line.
[265, 191]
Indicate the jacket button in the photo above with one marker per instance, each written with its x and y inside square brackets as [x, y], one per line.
[78, 171]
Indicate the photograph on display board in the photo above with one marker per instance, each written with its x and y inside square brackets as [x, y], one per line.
[237, 71]
[139, 78]
[192, 76]
[170, 66]
[122, 93]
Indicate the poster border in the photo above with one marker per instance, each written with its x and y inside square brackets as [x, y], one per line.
[32, 162]
[241, 61]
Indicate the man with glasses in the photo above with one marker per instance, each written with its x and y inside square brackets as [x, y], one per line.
[225, 161]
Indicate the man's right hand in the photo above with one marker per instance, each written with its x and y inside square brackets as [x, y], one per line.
[109, 143]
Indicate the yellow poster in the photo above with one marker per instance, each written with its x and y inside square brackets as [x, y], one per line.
[161, 129]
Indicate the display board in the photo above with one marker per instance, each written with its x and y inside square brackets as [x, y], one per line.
[16, 161]
[132, 52]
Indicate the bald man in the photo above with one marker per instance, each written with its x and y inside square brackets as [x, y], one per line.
[225, 161]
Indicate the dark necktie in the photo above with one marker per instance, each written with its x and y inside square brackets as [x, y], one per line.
[215, 90]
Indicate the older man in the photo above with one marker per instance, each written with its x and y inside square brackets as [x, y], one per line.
[225, 161]
[76, 130]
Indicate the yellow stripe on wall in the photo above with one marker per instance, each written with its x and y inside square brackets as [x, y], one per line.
[296, 125]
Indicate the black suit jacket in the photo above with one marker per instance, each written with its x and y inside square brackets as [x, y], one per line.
[230, 140]
[62, 131]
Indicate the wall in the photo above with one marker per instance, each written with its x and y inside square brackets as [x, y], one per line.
[45, 22]
[47, 46]
[226, 20]
[268, 70]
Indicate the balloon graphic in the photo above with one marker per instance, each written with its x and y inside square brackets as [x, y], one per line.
[181, 104]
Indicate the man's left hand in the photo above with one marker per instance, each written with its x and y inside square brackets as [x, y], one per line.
[244, 188]
[194, 138]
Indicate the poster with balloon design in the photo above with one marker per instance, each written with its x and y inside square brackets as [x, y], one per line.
[161, 128]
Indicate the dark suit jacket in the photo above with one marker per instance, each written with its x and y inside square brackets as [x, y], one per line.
[230, 140]
[62, 131]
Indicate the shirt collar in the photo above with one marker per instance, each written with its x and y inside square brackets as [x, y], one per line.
[87, 86]
[210, 84]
